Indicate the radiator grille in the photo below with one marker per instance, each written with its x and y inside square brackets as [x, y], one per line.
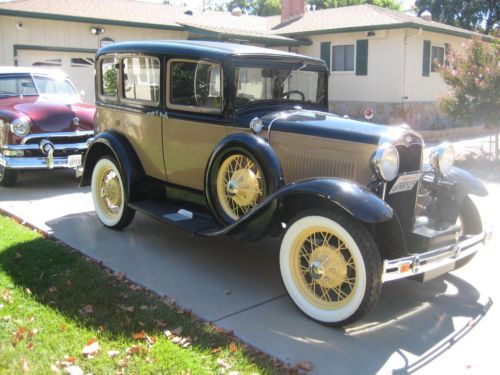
[298, 166]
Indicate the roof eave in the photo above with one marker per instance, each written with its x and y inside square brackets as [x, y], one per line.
[62, 17]
[403, 25]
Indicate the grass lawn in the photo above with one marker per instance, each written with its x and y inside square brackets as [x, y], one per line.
[59, 310]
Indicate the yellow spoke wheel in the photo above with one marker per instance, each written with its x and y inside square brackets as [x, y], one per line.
[330, 267]
[239, 184]
[323, 268]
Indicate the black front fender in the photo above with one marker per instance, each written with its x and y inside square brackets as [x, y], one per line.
[354, 199]
[466, 182]
[114, 144]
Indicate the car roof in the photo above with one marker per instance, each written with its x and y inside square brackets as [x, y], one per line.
[216, 50]
[32, 70]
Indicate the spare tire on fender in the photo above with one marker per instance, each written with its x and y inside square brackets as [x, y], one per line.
[241, 172]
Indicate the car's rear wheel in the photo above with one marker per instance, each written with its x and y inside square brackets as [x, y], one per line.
[8, 177]
[240, 184]
[108, 194]
[330, 267]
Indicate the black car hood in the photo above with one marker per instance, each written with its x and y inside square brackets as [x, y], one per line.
[327, 125]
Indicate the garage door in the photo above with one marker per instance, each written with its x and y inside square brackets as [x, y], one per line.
[79, 66]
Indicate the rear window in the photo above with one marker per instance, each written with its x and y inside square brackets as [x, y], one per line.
[141, 79]
[108, 76]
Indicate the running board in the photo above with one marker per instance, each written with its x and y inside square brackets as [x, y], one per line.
[196, 222]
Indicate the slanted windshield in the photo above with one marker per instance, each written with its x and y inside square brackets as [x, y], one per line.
[299, 83]
[37, 86]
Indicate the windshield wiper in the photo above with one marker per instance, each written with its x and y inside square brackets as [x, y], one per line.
[293, 71]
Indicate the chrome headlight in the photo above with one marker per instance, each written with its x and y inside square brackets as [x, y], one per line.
[20, 126]
[385, 162]
[443, 157]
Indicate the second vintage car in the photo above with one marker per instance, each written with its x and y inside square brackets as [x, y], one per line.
[222, 139]
[43, 123]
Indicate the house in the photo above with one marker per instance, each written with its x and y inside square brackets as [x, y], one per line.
[381, 61]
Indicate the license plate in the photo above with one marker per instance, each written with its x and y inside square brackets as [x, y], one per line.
[405, 183]
[74, 161]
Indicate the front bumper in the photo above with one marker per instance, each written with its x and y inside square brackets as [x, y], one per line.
[50, 154]
[432, 263]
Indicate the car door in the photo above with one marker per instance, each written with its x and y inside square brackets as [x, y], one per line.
[194, 121]
[137, 114]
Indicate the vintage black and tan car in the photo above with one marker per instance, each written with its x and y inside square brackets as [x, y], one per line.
[43, 122]
[222, 139]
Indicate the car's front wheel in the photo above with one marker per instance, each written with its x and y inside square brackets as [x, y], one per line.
[8, 177]
[108, 194]
[330, 267]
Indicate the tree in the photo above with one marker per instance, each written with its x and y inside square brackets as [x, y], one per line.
[473, 76]
[324, 4]
[470, 15]
[273, 7]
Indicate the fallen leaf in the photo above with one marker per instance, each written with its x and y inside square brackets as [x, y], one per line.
[134, 349]
[143, 307]
[222, 363]
[55, 369]
[69, 359]
[101, 328]
[168, 301]
[233, 348]
[113, 353]
[73, 370]
[33, 332]
[31, 319]
[160, 323]
[139, 335]
[168, 334]
[216, 350]
[19, 335]
[24, 365]
[126, 308]
[304, 366]
[92, 348]
[177, 331]
[18, 256]
[30, 345]
[27, 291]
[86, 310]
[63, 327]
[135, 287]
[176, 340]
[141, 324]
[7, 296]
[69, 284]
[52, 289]
[6, 318]
[151, 340]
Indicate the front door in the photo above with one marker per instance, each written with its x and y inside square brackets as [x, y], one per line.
[194, 122]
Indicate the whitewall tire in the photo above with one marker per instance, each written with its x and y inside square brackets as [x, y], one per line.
[108, 194]
[330, 267]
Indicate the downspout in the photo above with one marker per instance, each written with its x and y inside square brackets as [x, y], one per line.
[403, 88]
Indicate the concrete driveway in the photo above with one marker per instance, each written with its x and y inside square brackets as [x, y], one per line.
[443, 326]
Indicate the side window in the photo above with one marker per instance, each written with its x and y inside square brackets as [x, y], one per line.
[195, 86]
[108, 76]
[141, 79]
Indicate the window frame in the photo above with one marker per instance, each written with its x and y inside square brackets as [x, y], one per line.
[332, 61]
[189, 108]
[431, 60]
[120, 88]
[101, 94]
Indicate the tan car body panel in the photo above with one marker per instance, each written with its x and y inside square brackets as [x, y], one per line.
[188, 146]
[143, 132]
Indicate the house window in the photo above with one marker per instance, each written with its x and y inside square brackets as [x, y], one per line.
[437, 58]
[343, 58]
[195, 86]
[141, 79]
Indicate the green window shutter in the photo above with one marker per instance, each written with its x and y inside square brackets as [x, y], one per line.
[362, 57]
[446, 53]
[325, 53]
[427, 58]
